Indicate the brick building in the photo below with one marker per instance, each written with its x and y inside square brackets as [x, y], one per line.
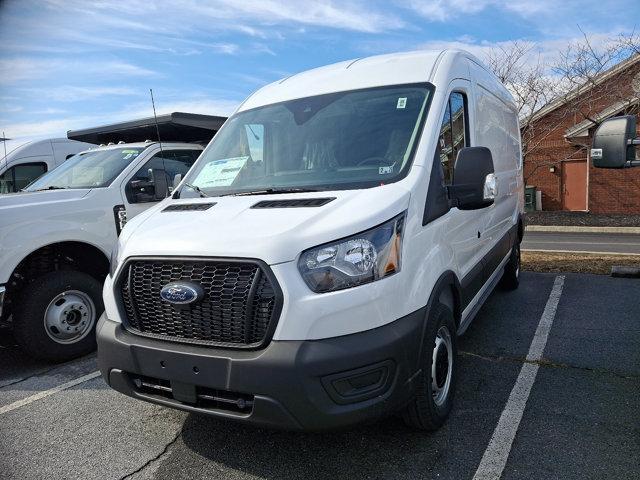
[558, 139]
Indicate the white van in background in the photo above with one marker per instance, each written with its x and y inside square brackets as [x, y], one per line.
[316, 265]
[26, 160]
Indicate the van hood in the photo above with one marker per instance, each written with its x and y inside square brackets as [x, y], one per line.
[27, 207]
[36, 198]
[232, 228]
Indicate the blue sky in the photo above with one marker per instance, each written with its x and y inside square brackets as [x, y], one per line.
[67, 64]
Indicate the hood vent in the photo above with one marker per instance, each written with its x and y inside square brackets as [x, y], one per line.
[294, 203]
[188, 207]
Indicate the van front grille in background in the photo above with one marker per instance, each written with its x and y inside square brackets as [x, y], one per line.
[239, 308]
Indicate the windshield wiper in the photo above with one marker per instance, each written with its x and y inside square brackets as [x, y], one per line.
[50, 187]
[269, 191]
[196, 189]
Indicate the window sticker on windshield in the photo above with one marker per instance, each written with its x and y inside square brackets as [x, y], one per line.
[87, 176]
[127, 154]
[402, 102]
[385, 170]
[220, 173]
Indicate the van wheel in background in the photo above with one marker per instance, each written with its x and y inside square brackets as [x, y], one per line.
[56, 315]
[511, 277]
[433, 399]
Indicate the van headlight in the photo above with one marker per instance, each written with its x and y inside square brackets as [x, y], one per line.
[352, 261]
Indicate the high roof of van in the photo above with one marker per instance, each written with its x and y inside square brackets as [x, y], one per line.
[380, 70]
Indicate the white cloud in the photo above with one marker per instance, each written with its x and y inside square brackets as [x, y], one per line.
[69, 93]
[18, 69]
[257, 17]
[443, 10]
[58, 127]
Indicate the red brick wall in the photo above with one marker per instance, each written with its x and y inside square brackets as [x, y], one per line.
[609, 191]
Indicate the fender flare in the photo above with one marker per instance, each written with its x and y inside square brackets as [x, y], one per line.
[449, 286]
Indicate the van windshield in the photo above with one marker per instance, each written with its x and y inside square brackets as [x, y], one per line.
[92, 169]
[346, 140]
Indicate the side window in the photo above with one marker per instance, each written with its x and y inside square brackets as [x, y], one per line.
[18, 177]
[6, 181]
[453, 133]
[173, 162]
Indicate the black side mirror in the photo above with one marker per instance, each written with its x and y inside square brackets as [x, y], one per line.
[474, 182]
[144, 191]
[161, 186]
[613, 143]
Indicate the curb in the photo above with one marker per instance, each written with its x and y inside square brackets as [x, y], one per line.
[625, 272]
[586, 252]
[581, 229]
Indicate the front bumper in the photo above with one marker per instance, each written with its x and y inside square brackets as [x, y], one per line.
[300, 385]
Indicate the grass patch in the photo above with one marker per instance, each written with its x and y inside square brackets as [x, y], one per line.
[557, 262]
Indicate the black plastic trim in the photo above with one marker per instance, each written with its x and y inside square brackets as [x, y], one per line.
[294, 203]
[284, 378]
[188, 207]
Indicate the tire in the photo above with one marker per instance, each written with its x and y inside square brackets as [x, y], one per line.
[431, 405]
[511, 276]
[56, 315]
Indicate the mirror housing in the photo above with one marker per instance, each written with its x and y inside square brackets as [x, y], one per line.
[160, 184]
[613, 143]
[474, 182]
[145, 191]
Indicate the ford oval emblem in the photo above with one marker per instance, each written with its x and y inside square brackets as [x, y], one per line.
[181, 293]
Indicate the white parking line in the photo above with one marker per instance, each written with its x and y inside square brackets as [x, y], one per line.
[46, 393]
[497, 452]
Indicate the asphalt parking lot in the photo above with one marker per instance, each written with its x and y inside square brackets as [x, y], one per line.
[581, 419]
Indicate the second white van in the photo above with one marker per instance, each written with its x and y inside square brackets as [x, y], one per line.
[315, 267]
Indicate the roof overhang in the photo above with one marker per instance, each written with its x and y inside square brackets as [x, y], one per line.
[173, 127]
[581, 130]
[604, 76]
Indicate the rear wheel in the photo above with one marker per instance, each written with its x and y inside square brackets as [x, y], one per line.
[56, 315]
[433, 399]
[511, 277]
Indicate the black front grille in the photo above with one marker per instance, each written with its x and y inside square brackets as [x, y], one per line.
[239, 309]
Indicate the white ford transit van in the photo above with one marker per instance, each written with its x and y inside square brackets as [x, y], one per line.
[316, 265]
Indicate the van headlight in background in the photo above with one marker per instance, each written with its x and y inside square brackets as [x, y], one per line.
[352, 261]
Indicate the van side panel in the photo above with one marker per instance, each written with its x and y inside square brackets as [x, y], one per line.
[496, 127]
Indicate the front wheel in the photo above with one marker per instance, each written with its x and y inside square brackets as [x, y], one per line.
[56, 315]
[433, 399]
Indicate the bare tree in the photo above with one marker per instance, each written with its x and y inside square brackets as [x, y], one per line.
[570, 80]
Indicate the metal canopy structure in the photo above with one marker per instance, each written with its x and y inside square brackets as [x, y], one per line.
[173, 127]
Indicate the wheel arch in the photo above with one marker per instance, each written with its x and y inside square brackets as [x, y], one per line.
[447, 291]
[65, 255]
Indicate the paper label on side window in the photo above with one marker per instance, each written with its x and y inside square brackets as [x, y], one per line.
[220, 173]
[402, 102]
